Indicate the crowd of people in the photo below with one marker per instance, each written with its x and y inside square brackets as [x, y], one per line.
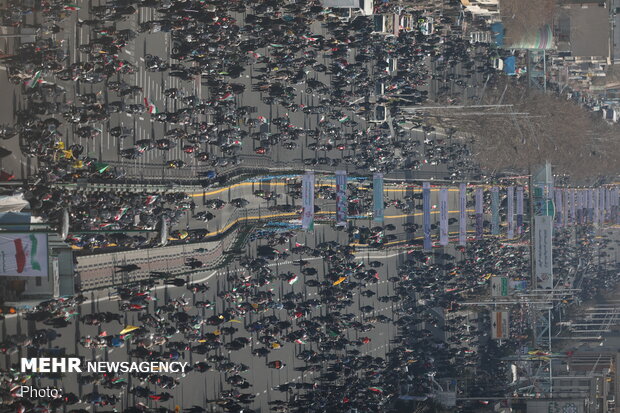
[262, 311]
[325, 76]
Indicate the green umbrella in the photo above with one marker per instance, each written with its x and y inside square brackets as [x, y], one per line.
[101, 167]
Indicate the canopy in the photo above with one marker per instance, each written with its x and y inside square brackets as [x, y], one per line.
[498, 33]
[12, 203]
[510, 65]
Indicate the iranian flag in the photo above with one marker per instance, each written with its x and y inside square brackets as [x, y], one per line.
[298, 341]
[292, 280]
[71, 6]
[376, 389]
[34, 80]
[343, 119]
[228, 96]
[151, 199]
[310, 39]
[21, 254]
[150, 106]
[120, 214]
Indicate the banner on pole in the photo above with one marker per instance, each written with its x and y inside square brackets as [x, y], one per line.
[601, 205]
[581, 207]
[510, 193]
[559, 208]
[443, 216]
[615, 216]
[479, 211]
[307, 220]
[379, 207]
[595, 206]
[426, 205]
[590, 205]
[495, 210]
[462, 214]
[565, 204]
[573, 207]
[543, 249]
[341, 198]
[607, 204]
[519, 210]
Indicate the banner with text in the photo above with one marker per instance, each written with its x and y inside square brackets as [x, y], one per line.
[462, 214]
[443, 216]
[519, 210]
[510, 211]
[341, 198]
[426, 212]
[479, 211]
[495, 210]
[377, 188]
[307, 192]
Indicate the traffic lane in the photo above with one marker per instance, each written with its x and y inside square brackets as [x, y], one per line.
[225, 218]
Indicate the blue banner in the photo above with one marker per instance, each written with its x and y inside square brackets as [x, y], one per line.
[307, 194]
[519, 210]
[462, 214]
[495, 210]
[341, 198]
[443, 216]
[573, 207]
[479, 212]
[377, 188]
[559, 207]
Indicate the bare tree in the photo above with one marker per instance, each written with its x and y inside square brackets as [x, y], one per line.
[535, 127]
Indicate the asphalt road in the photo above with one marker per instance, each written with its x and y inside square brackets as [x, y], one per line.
[102, 265]
[196, 388]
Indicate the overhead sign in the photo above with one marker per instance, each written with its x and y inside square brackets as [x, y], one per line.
[23, 255]
[499, 286]
[443, 216]
[426, 210]
[341, 198]
[379, 207]
[500, 325]
[462, 214]
[307, 189]
[519, 285]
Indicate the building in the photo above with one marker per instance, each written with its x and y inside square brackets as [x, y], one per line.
[583, 32]
[365, 7]
[488, 9]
